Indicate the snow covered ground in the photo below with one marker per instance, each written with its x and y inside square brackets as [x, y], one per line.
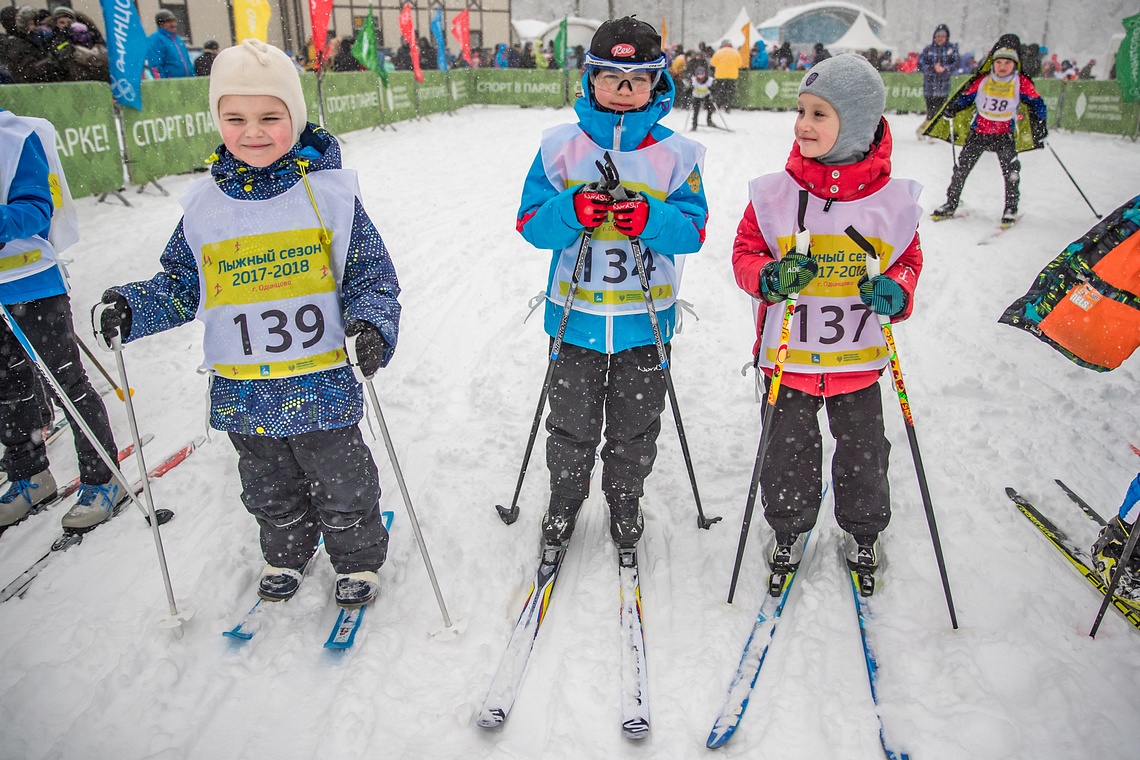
[87, 674]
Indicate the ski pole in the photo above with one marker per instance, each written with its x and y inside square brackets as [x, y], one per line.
[619, 194]
[803, 243]
[912, 438]
[1125, 556]
[639, 265]
[371, 390]
[1070, 176]
[509, 515]
[70, 408]
[953, 146]
[102, 371]
[176, 619]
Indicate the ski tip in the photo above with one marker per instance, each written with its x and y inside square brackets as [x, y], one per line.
[491, 718]
[719, 737]
[237, 634]
[1011, 493]
[508, 516]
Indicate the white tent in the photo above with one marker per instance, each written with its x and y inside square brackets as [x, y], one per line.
[858, 37]
[735, 33]
[579, 31]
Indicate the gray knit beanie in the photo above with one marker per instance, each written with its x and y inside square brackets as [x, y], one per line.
[856, 92]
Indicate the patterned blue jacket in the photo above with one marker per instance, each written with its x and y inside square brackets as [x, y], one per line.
[546, 218]
[287, 406]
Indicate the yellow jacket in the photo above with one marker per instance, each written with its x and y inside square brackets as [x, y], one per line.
[726, 63]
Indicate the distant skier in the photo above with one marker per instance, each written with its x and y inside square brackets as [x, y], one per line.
[701, 87]
[37, 222]
[1109, 547]
[1009, 116]
[840, 165]
[276, 255]
[608, 373]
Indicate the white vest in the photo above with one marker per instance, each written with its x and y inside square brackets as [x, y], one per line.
[998, 100]
[609, 284]
[269, 289]
[832, 330]
[29, 256]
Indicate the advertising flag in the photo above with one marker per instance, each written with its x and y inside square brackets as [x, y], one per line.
[126, 51]
[1128, 60]
[319, 12]
[461, 30]
[440, 39]
[408, 30]
[251, 20]
[560, 44]
[364, 49]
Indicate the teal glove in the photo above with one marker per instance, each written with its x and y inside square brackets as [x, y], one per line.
[882, 294]
[789, 275]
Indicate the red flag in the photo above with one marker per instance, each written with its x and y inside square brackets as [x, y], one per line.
[407, 29]
[461, 30]
[319, 12]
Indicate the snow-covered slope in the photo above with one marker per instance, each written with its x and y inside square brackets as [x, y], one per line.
[87, 674]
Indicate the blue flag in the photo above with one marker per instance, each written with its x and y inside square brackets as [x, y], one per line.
[440, 39]
[126, 50]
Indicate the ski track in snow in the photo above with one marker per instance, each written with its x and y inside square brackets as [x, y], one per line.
[87, 674]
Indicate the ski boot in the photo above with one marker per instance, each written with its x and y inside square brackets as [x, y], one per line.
[1107, 551]
[279, 584]
[24, 496]
[95, 504]
[783, 558]
[1008, 217]
[356, 589]
[561, 515]
[945, 211]
[863, 558]
[626, 522]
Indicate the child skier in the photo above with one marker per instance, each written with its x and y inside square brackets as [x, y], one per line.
[1109, 547]
[701, 85]
[276, 255]
[37, 222]
[997, 95]
[837, 178]
[608, 368]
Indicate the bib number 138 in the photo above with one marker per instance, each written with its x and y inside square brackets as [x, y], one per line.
[308, 324]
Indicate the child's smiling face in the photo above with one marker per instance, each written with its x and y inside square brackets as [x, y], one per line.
[256, 129]
[817, 126]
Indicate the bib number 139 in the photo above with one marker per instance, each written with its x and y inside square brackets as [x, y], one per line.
[308, 322]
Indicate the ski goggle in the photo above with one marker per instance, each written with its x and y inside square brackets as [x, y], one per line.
[613, 76]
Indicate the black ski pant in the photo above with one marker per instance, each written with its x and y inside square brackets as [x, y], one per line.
[708, 105]
[976, 145]
[791, 481]
[723, 92]
[627, 391]
[933, 104]
[47, 324]
[301, 486]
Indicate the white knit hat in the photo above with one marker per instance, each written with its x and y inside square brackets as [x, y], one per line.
[255, 68]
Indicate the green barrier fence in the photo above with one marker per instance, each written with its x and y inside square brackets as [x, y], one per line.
[514, 87]
[352, 101]
[904, 93]
[174, 133]
[770, 90]
[84, 118]
[399, 97]
[462, 87]
[433, 94]
[1098, 107]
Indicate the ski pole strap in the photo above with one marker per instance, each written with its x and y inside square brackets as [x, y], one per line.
[868, 249]
[802, 212]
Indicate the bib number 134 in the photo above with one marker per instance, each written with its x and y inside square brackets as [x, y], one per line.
[308, 323]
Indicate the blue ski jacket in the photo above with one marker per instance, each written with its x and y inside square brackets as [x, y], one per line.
[546, 219]
[293, 405]
[27, 213]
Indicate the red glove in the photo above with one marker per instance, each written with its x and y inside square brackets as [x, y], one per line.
[592, 207]
[631, 215]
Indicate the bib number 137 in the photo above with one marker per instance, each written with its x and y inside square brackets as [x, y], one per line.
[308, 324]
